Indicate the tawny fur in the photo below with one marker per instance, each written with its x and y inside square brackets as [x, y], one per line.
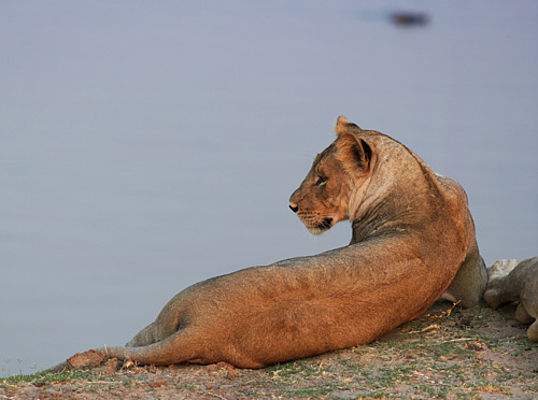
[412, 233]
[510, 281]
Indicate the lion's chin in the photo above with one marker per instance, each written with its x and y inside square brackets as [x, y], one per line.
[325, 225]
[316, 231]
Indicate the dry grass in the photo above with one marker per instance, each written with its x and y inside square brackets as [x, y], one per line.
[454, 354]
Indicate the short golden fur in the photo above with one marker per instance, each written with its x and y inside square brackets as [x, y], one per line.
[412, 232]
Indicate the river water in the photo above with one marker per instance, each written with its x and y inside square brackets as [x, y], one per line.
[145, 146]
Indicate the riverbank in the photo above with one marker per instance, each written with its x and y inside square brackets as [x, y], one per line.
[446, 353]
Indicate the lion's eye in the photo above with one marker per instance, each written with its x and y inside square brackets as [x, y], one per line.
[320, 180]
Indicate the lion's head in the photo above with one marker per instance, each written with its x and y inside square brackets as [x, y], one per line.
[497, 273]
[333, 183]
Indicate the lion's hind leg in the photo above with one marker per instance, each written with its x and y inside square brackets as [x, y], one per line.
[146, 336]
[173, 317]
[181, 346]
[167, 323]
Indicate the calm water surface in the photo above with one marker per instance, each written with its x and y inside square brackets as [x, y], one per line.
[148, 146]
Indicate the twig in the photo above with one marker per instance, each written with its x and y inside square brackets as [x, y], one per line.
[444, 313]
[428, 328]
[458, 340]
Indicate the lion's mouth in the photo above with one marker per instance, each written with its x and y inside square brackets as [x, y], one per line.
[321, 227]
[314, 223]
[325, 224]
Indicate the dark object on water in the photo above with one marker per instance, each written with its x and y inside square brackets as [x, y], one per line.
[409, 18]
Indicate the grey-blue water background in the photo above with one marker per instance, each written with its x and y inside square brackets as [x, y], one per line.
[145, 146]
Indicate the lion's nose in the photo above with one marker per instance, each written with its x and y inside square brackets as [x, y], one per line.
[293, 207]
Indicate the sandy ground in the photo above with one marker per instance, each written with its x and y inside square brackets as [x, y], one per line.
[447, 353]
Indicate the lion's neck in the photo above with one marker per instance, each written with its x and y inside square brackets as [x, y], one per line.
[388, 202]
[379, 219]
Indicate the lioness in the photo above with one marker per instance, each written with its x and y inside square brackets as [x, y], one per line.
[512, 281]
[412, 233]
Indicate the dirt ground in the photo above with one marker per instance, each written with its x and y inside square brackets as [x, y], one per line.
[447, 353]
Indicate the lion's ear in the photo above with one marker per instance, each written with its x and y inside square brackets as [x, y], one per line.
[356, 154]
[343, 125]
